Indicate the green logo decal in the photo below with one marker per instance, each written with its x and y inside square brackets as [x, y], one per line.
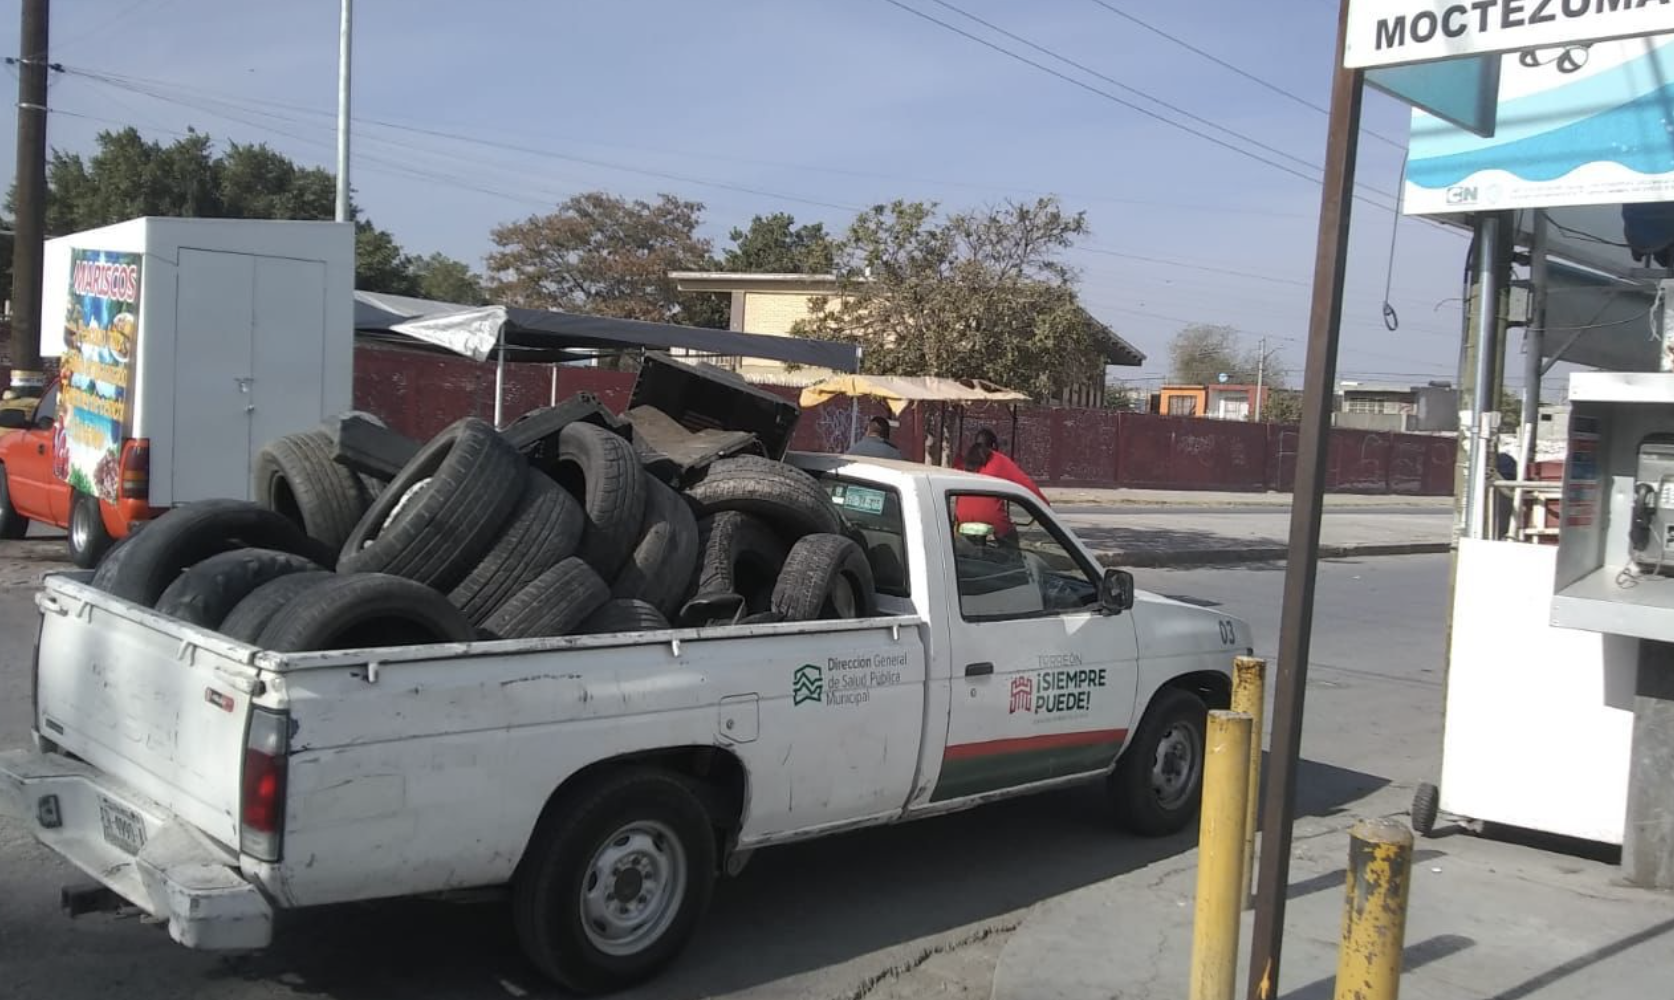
[808, 685]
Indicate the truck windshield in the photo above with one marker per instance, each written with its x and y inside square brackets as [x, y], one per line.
[874, 512]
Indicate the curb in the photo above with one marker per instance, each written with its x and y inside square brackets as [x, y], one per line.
[1264, 554]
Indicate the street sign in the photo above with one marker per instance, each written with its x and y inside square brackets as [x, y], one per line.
[1596, 129]
[1464, 92]
[1391, 32]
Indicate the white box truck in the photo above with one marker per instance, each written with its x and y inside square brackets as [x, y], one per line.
[184, 346]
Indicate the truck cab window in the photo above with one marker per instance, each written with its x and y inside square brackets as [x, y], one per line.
[46, 411]
[1009, 564]
[874, 514]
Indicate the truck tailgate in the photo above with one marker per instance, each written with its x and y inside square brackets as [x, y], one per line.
[158, 704]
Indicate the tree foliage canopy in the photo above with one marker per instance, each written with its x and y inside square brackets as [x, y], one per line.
[980, 294]
[129, 176]
[775, 244]
[605, 255]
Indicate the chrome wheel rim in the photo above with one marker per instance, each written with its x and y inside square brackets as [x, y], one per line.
[1174, 769]
[81, 533]
[632, 888]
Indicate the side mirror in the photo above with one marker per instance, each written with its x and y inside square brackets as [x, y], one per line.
[13, 420]
[1116, 591]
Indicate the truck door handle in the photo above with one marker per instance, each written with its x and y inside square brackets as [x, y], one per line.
[40, 449]
[978, 669]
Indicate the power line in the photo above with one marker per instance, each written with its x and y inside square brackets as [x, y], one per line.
[1019, 57]
[804, 167]
[1275, 88]
[513, 147]
[1043, 50]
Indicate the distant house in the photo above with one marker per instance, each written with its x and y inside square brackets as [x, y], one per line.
[1388, 406]
[1218, 402]
[774, 303]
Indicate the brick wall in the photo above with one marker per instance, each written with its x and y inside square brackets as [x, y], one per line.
[419, 394]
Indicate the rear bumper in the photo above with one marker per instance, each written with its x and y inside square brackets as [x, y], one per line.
[177, 876]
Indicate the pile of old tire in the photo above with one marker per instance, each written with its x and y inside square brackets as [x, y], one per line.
[772, 548]
[484, 535]
[249, 573]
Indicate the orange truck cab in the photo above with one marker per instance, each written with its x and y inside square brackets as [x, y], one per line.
[34, 486]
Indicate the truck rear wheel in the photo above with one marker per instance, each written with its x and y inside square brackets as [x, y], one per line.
[1158, 781]
[613, 884]
[12, 524]
[89, 541]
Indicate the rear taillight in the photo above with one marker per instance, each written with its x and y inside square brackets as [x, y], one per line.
[136, 470]
[261, 827]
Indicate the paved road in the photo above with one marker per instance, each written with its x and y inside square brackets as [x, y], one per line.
[906, 912]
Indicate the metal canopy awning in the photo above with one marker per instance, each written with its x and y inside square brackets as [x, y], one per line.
[546, 335]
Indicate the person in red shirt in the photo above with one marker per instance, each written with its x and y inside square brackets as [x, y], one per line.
[984, 458]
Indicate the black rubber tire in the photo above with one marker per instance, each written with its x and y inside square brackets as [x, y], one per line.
[544, 529]
[365, 611]
[784, 496]
[12, 524]
[207, 593]
[1137, 804]
[739, 554]
[623, 615]
[89, 540]
[475, 481]
[662, 565]
[551, 876]
[825, 577]
[251, 615]
[142, 567]
[553, 604]
[602, 470]
[296, 476]
[1426, 807]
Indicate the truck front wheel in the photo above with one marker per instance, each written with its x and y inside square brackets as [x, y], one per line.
[614, 881]
[12, 524]
[1158, 781]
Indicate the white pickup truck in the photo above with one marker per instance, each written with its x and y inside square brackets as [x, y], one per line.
[608, 780]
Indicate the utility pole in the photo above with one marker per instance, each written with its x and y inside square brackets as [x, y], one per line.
[1296, 617]
[29, 228]
[1261, 372]
[344, 47]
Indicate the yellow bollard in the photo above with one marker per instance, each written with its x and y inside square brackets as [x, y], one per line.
[1249, 696]
[1375, 916]
[1220, 857]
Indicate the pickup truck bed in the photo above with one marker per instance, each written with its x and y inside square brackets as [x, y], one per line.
[211, 782]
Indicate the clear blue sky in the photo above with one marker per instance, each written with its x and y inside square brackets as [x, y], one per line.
[816, 107]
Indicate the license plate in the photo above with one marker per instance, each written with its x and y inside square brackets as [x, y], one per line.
[123, 827]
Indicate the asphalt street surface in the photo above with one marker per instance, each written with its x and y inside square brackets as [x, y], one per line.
[908, 911]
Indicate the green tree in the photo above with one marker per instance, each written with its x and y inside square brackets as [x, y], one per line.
[775, 244]
[1202, 352]
[128, 177]
[980, 294]
[444, 279]
[1120, 395]
[1284, 406]
[601, 254]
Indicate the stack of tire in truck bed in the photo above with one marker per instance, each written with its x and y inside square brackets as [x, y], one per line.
[569, 521]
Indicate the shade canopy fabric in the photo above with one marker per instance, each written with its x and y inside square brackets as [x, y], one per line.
[900, 391]
[548, 335]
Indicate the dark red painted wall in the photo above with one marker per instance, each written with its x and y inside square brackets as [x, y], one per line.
[420, 394]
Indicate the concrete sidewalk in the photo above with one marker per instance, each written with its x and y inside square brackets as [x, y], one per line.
[1074, 496]
[1196, 537]
[1486, 919]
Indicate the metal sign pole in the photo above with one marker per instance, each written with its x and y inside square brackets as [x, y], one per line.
[1296, 619]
